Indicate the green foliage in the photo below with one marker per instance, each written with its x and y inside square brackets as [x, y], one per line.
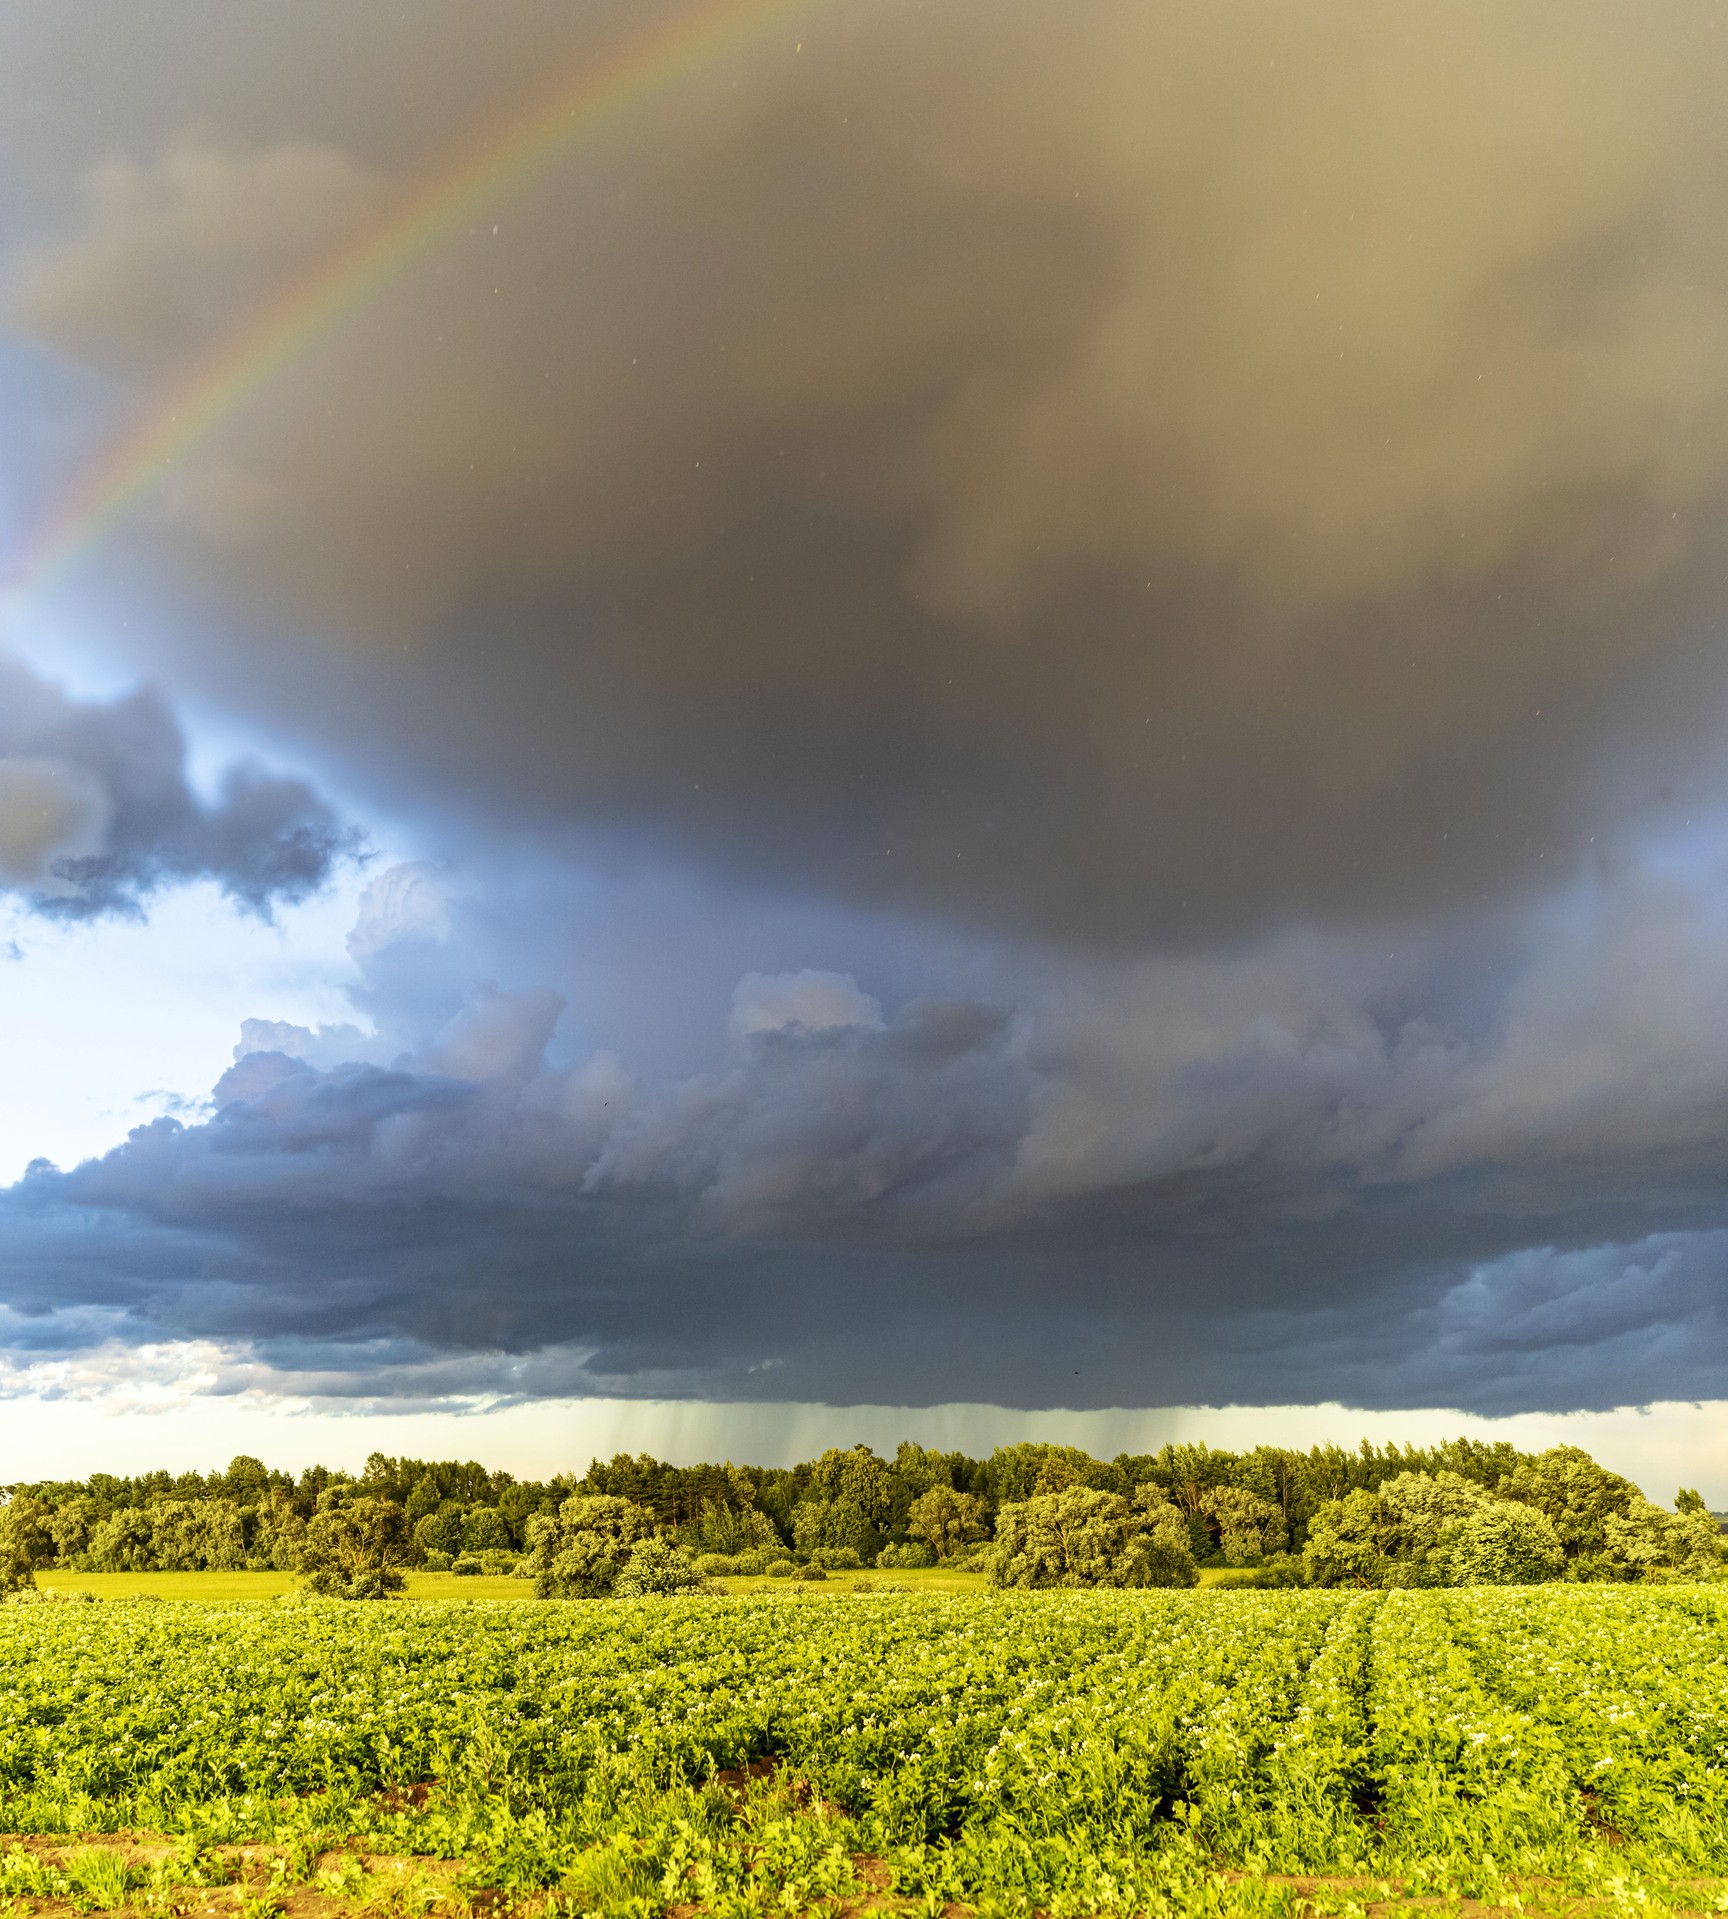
[1245, 1526]
[355, 1547]
[1504, 1543]
[1645, 1542]
[1241, 1509]
[656, 1568]
[578, 1552]
[913, 1554]
[946, 1520]
[25, 1542]
[1062, 1753]
[833, 1525]
[1343, 1546]
[1081, 1537]
[1578, 1496]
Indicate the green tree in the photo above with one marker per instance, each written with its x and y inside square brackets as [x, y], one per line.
[124, 1542]
[579, 1551]
[725, 1528]
[25, 1542]
[197, 1535]
[1577, 1495]
[485, 1530]
[1505, 1543]
[1246, 1526]
[1420, 1515]
[1084, 1537]
[355, 1547]
[1343, 1547]
[947, 1520]
[835, 1525]
[1647, 1543]
[657, 1568]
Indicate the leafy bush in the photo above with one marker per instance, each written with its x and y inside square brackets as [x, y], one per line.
[496, 1564]
[355, 1547]
[830, 1524]
[911, 1554]
[717, 1565]
[811, 1571]
[579, 1551]
[656, 1567]
[1084, 1537]
[946, 1521]
[25, 1542]
[437, 1562]
[837, 1558]
[466, 1566]
[780, 1569]
[1505, 1544]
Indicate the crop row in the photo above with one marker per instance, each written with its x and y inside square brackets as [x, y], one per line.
[1058, 1751]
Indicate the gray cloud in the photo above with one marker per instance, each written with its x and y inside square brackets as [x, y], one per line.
[1165, 1181]
[1197, 531]
[96, 812]
[1130, 475]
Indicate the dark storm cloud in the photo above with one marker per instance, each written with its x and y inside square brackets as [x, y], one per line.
[96, 812]
[1219, 513]
[1186, 1183]
[1130, 471]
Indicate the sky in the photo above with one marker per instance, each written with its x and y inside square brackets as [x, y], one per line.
[729, 725]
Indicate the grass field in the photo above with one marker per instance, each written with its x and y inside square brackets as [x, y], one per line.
[231, 1586]
[1550, 1750]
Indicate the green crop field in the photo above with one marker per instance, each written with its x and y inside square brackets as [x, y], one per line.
[1558, 1749]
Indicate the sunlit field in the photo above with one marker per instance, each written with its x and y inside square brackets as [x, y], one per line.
[1556, 1749]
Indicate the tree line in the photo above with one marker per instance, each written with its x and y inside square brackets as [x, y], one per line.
[1031, 1514]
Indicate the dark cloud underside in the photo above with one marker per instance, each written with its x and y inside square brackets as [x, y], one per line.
[1203, 527]
[1129, 473]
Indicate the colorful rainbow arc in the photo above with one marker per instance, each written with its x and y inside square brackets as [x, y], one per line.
[278, 332]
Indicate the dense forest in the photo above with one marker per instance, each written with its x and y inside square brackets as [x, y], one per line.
[1031, 1514]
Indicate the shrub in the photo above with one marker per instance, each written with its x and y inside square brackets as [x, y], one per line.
[355, 1547]
[833, 1523]
[485, 1530]
[716, 1565]
[1506, 1544]
[437, 1562]
[750, 1563]
[946, 1520]
[497, 1563]
[579, 1551]
[657, 1568]
[466, 1566]
[812, 1571]
[1085, 1537]
[1343, 1546]
[25, 1542]
[911, 1553]
[779, 1569]
[837, 1558]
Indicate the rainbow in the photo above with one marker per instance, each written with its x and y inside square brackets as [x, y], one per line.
[273, 335]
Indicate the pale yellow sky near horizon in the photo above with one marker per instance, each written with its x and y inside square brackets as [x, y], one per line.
[1661, 1447]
